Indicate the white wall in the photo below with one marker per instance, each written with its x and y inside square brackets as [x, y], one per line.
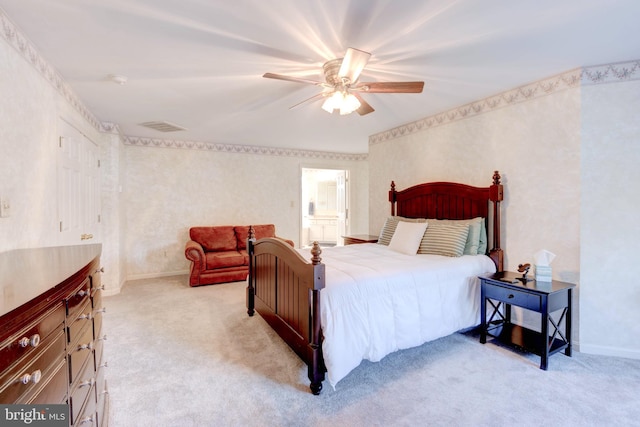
[610, 230]
[169, 190]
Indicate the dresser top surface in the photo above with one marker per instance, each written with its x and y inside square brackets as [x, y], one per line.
[28, 273]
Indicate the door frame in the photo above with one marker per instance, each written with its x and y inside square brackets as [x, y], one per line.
[304, 204]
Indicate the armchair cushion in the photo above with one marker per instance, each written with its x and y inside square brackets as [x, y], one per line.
[224, 259]
[219, 238]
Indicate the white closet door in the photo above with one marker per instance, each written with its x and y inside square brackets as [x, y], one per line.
[78, 187]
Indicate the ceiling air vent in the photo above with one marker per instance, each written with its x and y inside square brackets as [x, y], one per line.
[162, 126]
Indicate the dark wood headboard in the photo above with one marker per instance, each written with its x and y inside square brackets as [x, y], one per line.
[450, 200]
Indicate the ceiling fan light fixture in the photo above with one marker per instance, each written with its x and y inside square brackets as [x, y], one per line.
[332, 102]
[345, 102]
[349, 104]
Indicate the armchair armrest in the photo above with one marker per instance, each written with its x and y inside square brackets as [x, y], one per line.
[194, 252]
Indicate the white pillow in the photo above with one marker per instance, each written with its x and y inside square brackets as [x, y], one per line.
[407, 237]
[390, 225]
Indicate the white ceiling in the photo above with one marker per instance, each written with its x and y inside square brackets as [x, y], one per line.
[198, 63]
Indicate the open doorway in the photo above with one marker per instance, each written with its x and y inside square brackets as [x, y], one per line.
[324, 203]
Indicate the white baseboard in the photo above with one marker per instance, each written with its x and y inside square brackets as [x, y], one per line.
[156, 275]
[116, 291]
[602, 350]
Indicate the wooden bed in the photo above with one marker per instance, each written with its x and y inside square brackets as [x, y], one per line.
[285, 288]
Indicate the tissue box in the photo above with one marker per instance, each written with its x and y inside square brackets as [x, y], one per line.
[542, 273]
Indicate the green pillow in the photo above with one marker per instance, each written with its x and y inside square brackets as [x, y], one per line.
[475, 236]
[444, 239]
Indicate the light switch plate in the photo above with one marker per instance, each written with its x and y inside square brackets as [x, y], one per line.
[5, 208]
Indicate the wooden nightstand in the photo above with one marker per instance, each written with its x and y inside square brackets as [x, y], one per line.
[359, 238]
[502, 290]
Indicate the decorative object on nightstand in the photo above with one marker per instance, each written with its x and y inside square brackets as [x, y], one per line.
[524, 269]
[542, 261]
[502, 290]
[359, 238]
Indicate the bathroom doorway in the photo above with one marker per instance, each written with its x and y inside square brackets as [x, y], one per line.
[325, 206]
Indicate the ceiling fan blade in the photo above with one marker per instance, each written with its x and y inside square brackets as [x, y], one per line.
[353, 63]
[291, 79]
[390, 87]
[364, 108]
[313, 98]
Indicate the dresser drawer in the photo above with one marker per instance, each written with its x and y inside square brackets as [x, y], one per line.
[25, 341]
[55, 390]
[82, 390]
[89, 416]
[99, 346]
[79, 352]
[511, 296]
[27, 378]
[76, 324]
[98, 311]
[78, 298]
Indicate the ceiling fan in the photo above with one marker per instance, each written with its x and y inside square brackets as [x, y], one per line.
[341, 88]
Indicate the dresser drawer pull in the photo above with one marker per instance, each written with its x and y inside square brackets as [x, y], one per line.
[35, 377]
[102, 338]
[89, 382]
[33, 341]
[88, 346]
[104, 365]
[99, 270]
[85, 316]
[86, 420]
[82, 293]
[101, 310]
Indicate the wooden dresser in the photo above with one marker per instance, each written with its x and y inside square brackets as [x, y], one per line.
[51, 338]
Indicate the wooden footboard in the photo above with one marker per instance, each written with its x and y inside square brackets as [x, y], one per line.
[285, 289]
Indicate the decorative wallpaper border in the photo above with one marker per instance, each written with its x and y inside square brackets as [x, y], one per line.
[241, 149]
[599, 74]
[611, 73]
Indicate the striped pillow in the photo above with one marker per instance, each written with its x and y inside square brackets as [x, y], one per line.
[477, 234]
[444, 239]
[390, 225]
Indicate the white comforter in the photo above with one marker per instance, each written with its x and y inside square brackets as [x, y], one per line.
[377, 301]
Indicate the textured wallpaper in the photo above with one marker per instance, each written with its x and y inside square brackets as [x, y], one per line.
[536, 147]
[610, 230]
[168, 190]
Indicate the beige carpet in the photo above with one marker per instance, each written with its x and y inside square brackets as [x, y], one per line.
[181, 356]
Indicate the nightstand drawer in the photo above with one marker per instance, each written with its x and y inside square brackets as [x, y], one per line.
[511, 296]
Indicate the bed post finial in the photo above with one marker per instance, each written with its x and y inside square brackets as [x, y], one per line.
[496, 178]
[316, 251]
[252, 233]
[392, 198]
